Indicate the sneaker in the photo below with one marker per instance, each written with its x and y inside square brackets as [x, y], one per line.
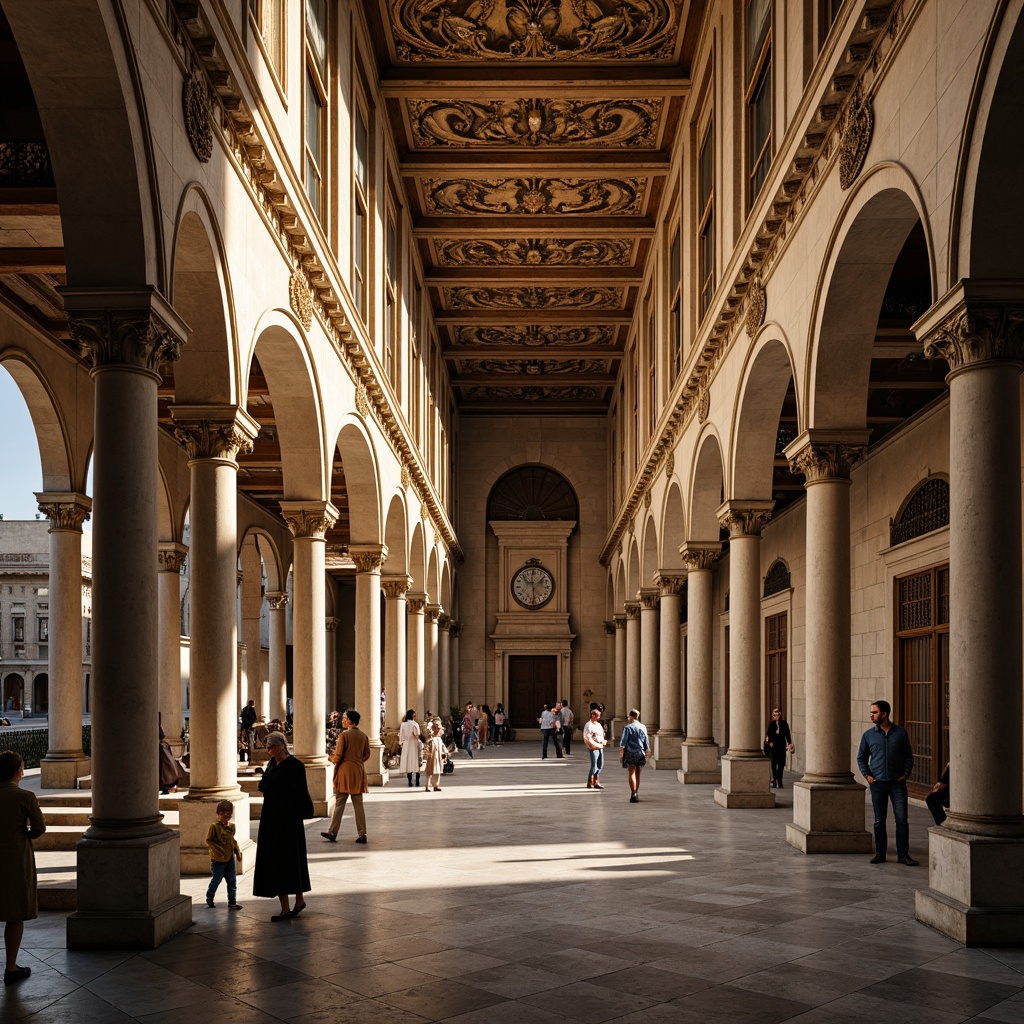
[908, 860]
[234, 906]
[879, 858]
[209, 902]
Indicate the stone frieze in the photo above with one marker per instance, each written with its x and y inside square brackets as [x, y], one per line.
[474, 197]
[528, 297]
[532, 367]
[531, 393]
[537, 336]
[535, 252]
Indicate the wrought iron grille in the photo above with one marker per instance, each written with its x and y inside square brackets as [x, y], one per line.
[777, 578]
[24, 164]
[925, 510]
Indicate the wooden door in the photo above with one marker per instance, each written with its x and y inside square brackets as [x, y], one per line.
[532, 683]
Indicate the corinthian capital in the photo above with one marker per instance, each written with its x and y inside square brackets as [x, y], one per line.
[976, 321]
[135, 328]
[454, 629]
[443, 622]
[171, 557]
[669, 583]
[395, 587]
[432, 612]
[745, 518]
[277, 600]
[697, 556]
[827, 454]
[415, 603]
[309, 518]
[368, 557]
[214, 431]
[648, 598]
[66, 510]
[632, 609]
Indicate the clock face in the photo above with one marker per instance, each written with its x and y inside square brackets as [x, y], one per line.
[532, 586]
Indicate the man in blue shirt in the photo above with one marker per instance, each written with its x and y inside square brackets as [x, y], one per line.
[885, 760]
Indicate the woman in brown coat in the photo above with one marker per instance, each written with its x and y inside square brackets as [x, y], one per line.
[349, 757]
[20, 822]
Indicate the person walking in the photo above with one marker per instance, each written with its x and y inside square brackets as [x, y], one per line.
[468, 729]
[499, 725]
[409, 737]
[224, 852]
[436, 754]
[568, 724]
[247, 718]
[281, 864]
[482, 726]
[349, 757]
[777, 743]
[21, 821]
[550, 726]
[595, 741]
[886, 760]
[633, 747]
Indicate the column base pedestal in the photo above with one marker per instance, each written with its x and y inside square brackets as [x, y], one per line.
[699, 764]
[128, 894]
[828, 818]
[744, 783]
[377, 773]
[320, 780]
[63, 772]
[195, 816]
[667, 751]
[976, 893]
[615, 728]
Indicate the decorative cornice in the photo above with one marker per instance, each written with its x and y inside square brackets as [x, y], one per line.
[699, 557]
[310, 519]
[416, 603]
[394, 588]
[196, 108]
[670, 583]
[648, 598]
[214, 431]
[66, 510]
[171, 558]
[369, 558]
[277, 600]
[826, 454]
[745, 518]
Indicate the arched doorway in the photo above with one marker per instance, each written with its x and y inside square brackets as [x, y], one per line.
[40, 693]
[14, 692]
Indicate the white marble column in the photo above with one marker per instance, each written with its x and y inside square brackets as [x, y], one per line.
[444, 664]
[415, 639]
[632, 658]
[170, 560]
[745, 771]
[65, 762]
[369, 558]
[251, 595]
[454, 632]
[396, 657]
[616, 713]
[331, 624]
[828, 805]
[128, 871]
[669, 739]
[700, 749]
[649, 621]
[277, 604]
[976, 857]
[213, 436]
[431, 692]
[309, 522]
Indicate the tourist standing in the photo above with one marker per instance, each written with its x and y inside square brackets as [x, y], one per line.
[633, 748]
[499, 725]
[549, 728]
[482, 725]
[436, 754]
[247, 717]
[595, 741]
[409, 737]
[568, 726]
[349, 757]
[777, 744]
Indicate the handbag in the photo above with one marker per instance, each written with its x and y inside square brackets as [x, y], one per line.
[448, 768]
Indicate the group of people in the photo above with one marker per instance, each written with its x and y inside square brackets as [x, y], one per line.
[417, 750]
[556, 723]
[481, 726]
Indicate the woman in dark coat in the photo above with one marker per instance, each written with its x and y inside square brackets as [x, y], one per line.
[777, 743]
[281, 866]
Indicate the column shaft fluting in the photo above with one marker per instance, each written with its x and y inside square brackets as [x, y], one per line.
[649, 680]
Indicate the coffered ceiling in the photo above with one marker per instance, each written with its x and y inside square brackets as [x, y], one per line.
[534, 140]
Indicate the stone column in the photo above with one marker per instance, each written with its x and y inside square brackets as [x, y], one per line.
[170, 559]
[213, 436]
[251, 605]
[431, 693]
[617, 712]
[65, 762]
[669, 739]
[649, 711]
[331, 624]
[607, 694]
[415, 682]
[128, 871]
[700, 749]
[369, 558]
[444, 679]
[396, 658]
[828, 805]
[632, 658]
[309, 522]
[745, 771]
[976, 858]
[455, 695]
[277, 603]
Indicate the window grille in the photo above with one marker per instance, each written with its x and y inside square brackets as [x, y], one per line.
[776, 579]
[926, 509]
[533, 493]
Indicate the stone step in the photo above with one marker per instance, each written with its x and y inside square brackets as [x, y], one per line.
[64, 798]
[65, 836]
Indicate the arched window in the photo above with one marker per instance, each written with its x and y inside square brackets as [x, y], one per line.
[925, 509]
[777, 578]
[532, 493]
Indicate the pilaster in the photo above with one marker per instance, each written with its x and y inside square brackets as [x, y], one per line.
[632, 610]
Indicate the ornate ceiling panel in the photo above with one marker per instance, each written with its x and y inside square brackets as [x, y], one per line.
[530, 393]
[532, 367]
[533, 336]
[535, 252]
[532, 298]
[465, 197]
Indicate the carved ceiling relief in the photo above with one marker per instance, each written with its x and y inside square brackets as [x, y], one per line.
[534, 29]
[533, 394]
[539, 252]
[533, 367]
[537, 336]
[522, 122]
[528, 297]
[462, 197]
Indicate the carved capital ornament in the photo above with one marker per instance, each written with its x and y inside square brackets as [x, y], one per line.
[699, 557]
[309, 519]
[65, 511]
[745, 518]
[171, 558]
[395, 588]
[416, 603]
[975, 334]
[826, 455]
[277, 600]
[370, 558]
[214, 432]
[138, 338]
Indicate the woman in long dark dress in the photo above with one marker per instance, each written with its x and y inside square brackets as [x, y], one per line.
[281, 866]
[777, 743]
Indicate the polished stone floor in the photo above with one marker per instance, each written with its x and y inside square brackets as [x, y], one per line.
[517, 895]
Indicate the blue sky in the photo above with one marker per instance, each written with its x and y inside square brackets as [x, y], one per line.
[20, 468]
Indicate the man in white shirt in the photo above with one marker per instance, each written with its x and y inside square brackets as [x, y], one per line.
[595, 741]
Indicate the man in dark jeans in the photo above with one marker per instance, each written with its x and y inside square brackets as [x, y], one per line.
[885, 760]
[248, 717]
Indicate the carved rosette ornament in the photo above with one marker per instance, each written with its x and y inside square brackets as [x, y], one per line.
[855, 137]
[424, 512]
[369, 559]
[698, 559]
[669, 584]
[215, 437]
[309, 520]
[277, 600]
[124, 337]
[821, 456]
[195, 105]
[394, 588]
[300, 298]
[745, 519]
[757, 306]
[66, 512]
[171, 559]
[703, 404]
[979, 334]
[362, 401]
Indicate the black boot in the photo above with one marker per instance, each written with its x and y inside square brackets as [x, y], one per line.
[408, 775]
[417, 778]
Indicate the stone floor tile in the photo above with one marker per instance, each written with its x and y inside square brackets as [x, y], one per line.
[359, 1011]
[451, 963]
[799, 983]
[80, 1006]
[738, 1006]
[858, 1008]
[379, 979]
[138, 987]
[515, 980]
[652, 983]
[575, 964]
[586, 1002]
[1009, 1011]
[303, 997]
[945, 992]
[975, 963]
[441, 999]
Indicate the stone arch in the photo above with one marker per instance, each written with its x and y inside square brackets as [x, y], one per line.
[40, 692]
[988, 213]
[706, 488]
[418, 559]
[446, 588]
[396, 534]
[867, 240]
[273, 560]
[362, 482]
[759, 401]
[90, 101]
[651, 556]
[433, 578]
[14, 691]
[296, 400]
[208, 372]
[632, 570]
[619, 588]
[673, 526]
